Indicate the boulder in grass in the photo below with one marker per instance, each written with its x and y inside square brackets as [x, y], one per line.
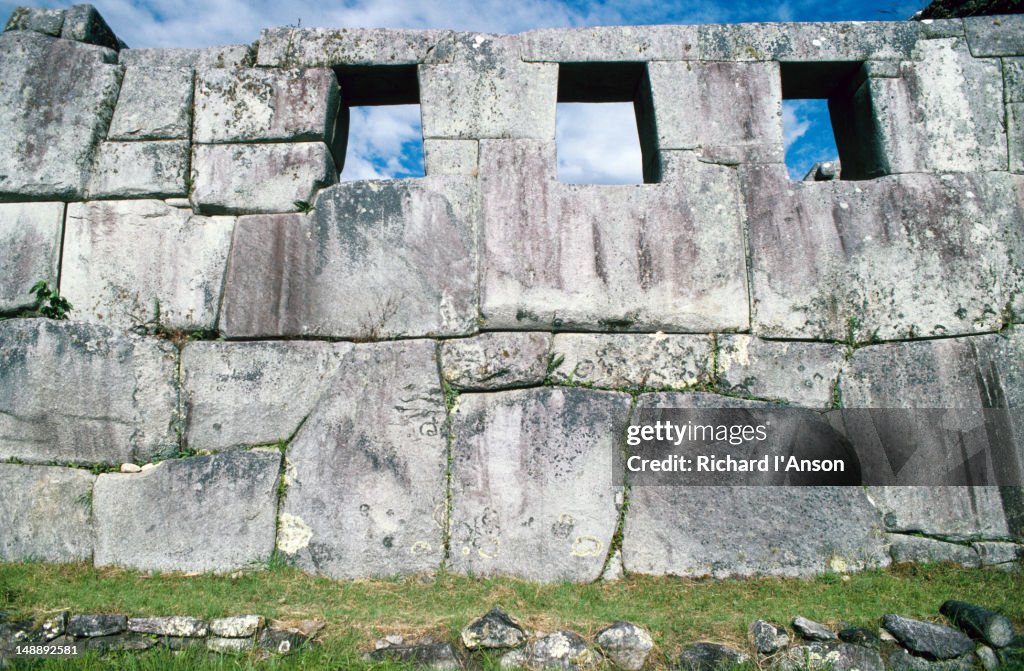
[767, 637]
[710, 657]
[625, 644]
[979, 623]
[494, 631]
[812, 631]
[931, 641]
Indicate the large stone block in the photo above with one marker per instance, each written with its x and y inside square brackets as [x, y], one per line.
[259, 178]
[325, 47]
[56, 99]
[799, 373]
[610, 43]
[995, 35]
[375, 260]
[487, 92]
[958, 513]
[44, 513]
[140, 170]
[229, 56]
[130, 263]
[30, 235]
[664, 256]
[1015, 136]
[78, 393]
[83, 23]
[450, 157]
[212, 513]
[823, 254]
[45, 21]
[632, 361]
[1013, 80]
[532, 477]
[366, 473]
[155, 103]
[802, 42]
[255, 392]
[495, 360]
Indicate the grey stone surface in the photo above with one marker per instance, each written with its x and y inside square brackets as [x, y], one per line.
[916, 549]
[322, 47]
[934, 641]
[259, 178]
[625, 644]
[46, 148]
[995, 35]
[860, 636]
[710, 657]
[979, 623]
[487, 92]
[496, 360]
[96, 625]
[176, 625]
[801, 42]
[610, 43]
[993, 553]
[130, 263]
[424, 655]
[366, 473]
[988, 658]
[584, 256]
[253, 393]
[140, 170]
[229, 56]
[44, 513]
[955, 512]
[812, 631]
[124, 642]
[238, 626]
[45, 21]
[564, 650]
[222, 517]
[1013, 80]
[514, 456]
[822, 254]
[30, 235]
[624, 361]
[155, 103]
[495, 630]
[831, 655]
[281, 641]
[401, 253]
[450, 157]
[767, 637]
[799, 373]
[82, 23]
[79, 393]
[229, 645]
[1015, 136]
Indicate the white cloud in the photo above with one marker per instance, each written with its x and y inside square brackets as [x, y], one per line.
[383, 142]
[598, 144]
[794, 124]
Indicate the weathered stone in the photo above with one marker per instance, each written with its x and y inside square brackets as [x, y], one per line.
[860, 636]
[939, 28]
[995, 554]
[255, 392]
[79, 393]
[46, 148]
[52, 627]
[561, 650]
[229, 645]
[1015, 136]
[450, 157]
[366, 472]
[321, 47]
[488, 93]
[177, 626]
[495, 630]
[222, 517]
[155, 103]
[82, 23]
[239, 626]
[933, 641]
[130, 468]
[767, 637]
[514, 456]
[957, 513]
[710, 657]
[30, 235]
[96, 625]
[281, 641]
[129, 642]
[901, 660]
[583, 257]
[230, 56]
[259, 178]
[182, 643]
[916, 549]
[625, 644]
[1013, 80]
[822, 254]
[402, 253]
[437, 656]
[610, 43]
[796, 42]
[496, 360]
[140, 170]
[988, 658]
[830, 655]
[810, 630]
[799, 373]
[625, 361]
[979, 623]
[995, 35]
[45, 21]
[44, 513]
[144, 263]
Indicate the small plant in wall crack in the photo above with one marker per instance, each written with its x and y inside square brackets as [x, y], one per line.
[49, 302]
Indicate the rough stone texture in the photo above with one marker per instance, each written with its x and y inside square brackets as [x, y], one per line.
[799, 373]
[995, 554]
[254, 392]
[979, 623]
[1013, 80]
[610, 43]
[259, 178]
[995, 35]
[580, 256]
[767, 637]
[130, 263]
[96, 625]
[860, 636]
[222, 517]
[916, 549]
[80, 393]
[401, 253]
[281, 641]
[435, 656]
[823, 253]
[954, 512]
[495, 630]
[140, 170]
[1015, 136]
[155, 103]
[230, 645]
[169, 626]
[45, 21]
[239, 626]
[831, 655]
[82, 23]
[496, 360]
[450, 157]
[30, 235]
[42, 514]
[624, 361]
[480, 94]
[561, 650]
[323, 47]
[46, 148]
[934, 641]
[710, 657]
[625, 644]
[230, 56]
[802, 42]
[366, 473]
[515, 455]
[810, 630]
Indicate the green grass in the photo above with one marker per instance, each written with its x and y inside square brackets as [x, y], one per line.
[675, 610]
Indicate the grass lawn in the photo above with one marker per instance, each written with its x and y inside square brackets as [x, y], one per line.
[675, 610]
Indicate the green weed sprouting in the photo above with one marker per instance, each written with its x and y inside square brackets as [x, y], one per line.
[50, 303]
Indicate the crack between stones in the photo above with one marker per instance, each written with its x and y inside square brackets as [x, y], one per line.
[963, 540]
[620, 523]
[450, 396]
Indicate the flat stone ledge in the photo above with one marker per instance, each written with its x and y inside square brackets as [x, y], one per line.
[803, 374]
[495, 360]
[632, 361]
[324, 47]
[995, 35]
[610, 44]
[231, 56]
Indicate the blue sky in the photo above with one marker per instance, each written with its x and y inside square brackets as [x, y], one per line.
[385, 142]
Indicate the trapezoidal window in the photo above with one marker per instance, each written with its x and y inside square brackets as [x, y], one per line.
[380, 117]
[827, 122]
[601, 122]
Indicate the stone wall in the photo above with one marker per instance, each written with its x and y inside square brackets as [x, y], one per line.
[387, 377]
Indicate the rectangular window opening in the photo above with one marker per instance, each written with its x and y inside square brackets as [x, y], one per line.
[604, 130]
[379, 131]
[827, 122]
